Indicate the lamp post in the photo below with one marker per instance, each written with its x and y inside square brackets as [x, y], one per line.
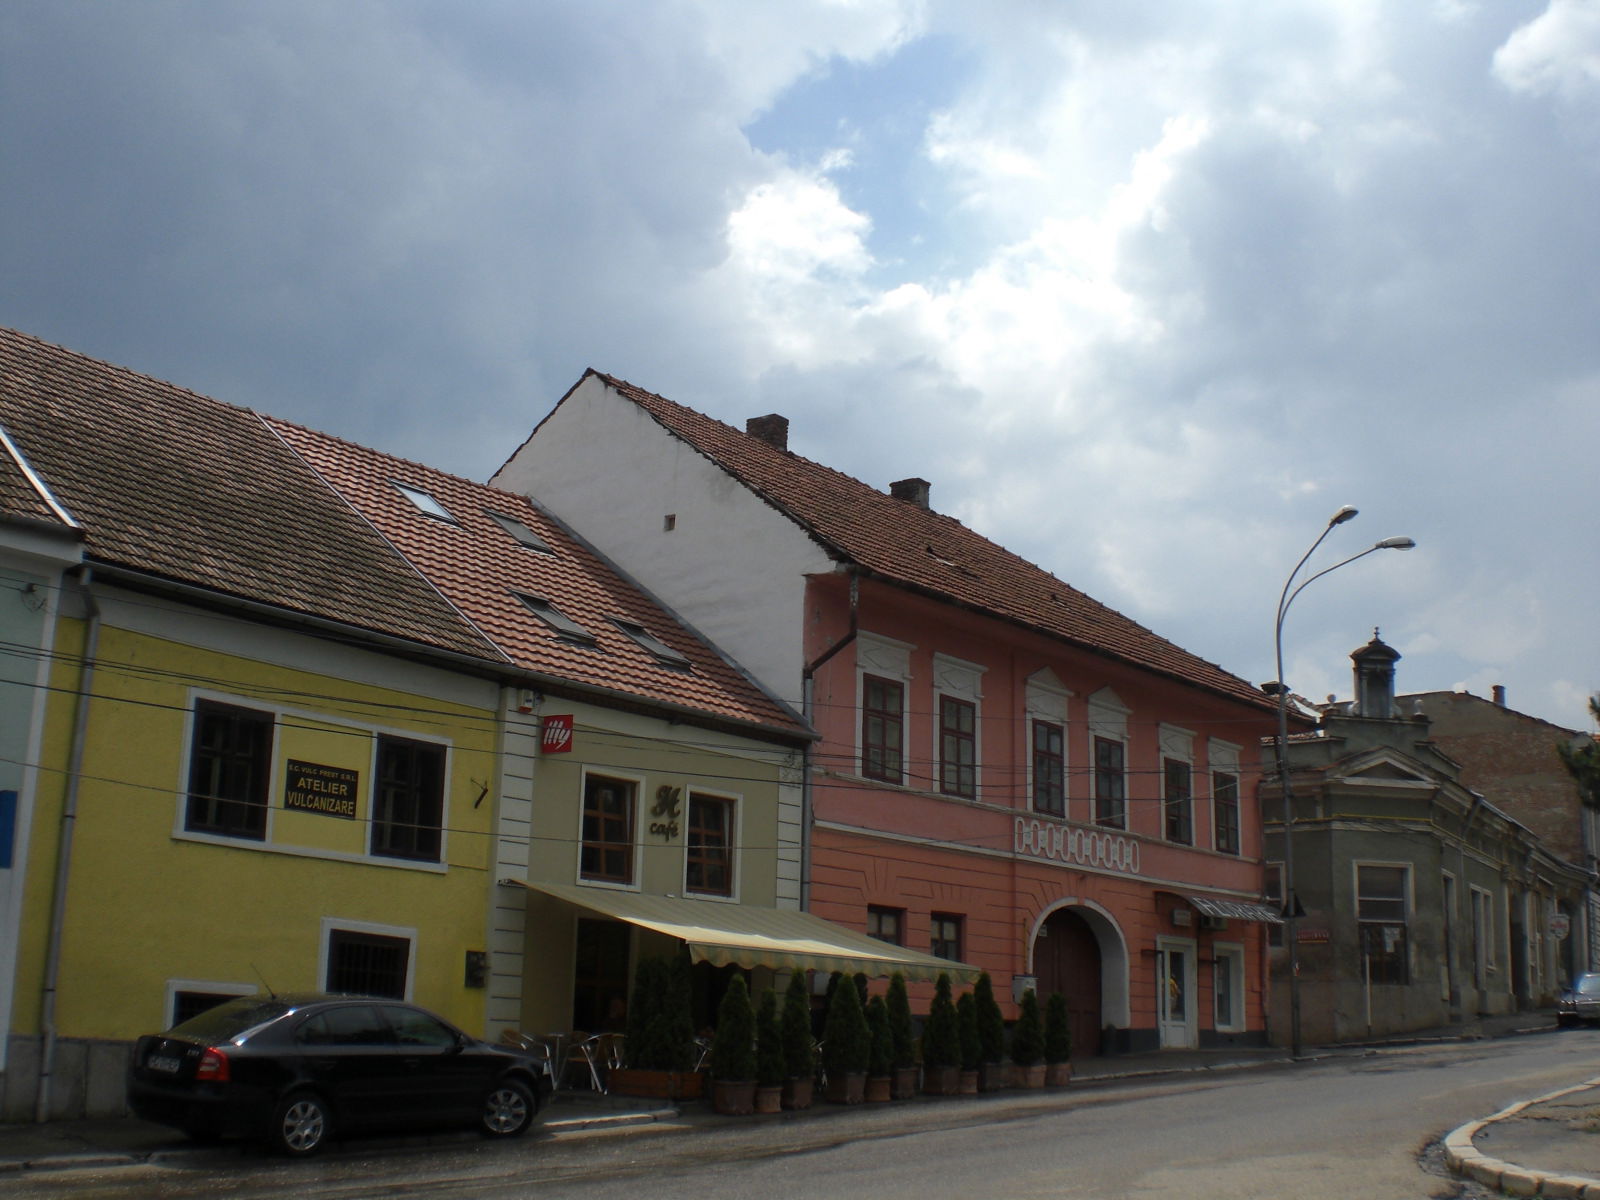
[1291, 906]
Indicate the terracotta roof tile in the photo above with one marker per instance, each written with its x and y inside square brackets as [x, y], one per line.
[20, 497]
[176, 485]
[480, 567]
[915, 547]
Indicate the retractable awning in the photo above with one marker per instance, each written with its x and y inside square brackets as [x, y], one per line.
[1240, 910]
[747, 936]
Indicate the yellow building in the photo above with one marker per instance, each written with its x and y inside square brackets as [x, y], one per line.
[251, 745]
[287, 713]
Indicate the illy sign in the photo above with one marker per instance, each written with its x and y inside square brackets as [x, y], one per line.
[557, 734]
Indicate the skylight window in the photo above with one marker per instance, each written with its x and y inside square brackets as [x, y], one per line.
[663, 653]
[424, 501]
[552, 616]
[521, 532]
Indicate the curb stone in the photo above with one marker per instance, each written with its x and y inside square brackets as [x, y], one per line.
[1464, 1158]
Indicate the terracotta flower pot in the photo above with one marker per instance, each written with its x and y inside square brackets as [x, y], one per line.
[850, 1088]
[769, 1099]
[879, 1089]
[905, 1083]
[969, 1083]
[1031, 1076]
[797, 1093]
[733, 1098]
[941, 1081]
[662, 1085]
[1058, 1074]
[993, 1077]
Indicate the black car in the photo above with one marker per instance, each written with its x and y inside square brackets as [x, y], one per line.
[1581, 1001]
[292, 1070]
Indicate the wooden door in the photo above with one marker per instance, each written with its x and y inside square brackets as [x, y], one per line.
[1066, 959]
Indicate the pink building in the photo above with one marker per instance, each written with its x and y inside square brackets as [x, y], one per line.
[1009, 773]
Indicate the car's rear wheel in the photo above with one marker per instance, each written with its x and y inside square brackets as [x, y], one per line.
[301, 1124]
[508, 1109]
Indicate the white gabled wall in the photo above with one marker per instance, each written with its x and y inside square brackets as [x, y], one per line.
[732, 565]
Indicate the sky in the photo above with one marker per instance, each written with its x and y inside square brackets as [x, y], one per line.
[1146, 290]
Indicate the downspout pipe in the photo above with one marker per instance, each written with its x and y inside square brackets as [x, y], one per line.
[807, 700]
[69, 820]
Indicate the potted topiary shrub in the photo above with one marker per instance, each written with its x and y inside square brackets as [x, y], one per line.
[880, 1053]
[733, 1052]
[1057, 1042]
[991, 1037]
[1027, 1044]
[660, 1035]
[769, 1054]
[941, 1045]
[967, 1030]
[903, 1037]
[846, 1046]
[799, 1053]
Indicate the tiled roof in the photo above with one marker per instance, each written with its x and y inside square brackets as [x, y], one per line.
[909, 545]
[175, 485]
[20, 496]
[479, 566]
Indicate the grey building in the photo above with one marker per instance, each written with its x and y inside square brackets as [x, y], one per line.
[1424, 902]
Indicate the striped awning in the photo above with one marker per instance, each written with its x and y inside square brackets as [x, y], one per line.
[747, 936]
[1241, 910]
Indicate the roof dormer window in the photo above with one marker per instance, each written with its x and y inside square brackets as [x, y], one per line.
[568, 629]
[664, 654]
[520, 532]
[424, 501]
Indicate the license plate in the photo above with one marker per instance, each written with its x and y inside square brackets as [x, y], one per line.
[159, 1062]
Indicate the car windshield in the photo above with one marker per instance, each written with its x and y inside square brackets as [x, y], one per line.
[1587, 985]
[227, 1021]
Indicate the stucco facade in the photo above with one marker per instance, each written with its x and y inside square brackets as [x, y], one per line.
[1425, 902]
[977, 859]
[164, 904]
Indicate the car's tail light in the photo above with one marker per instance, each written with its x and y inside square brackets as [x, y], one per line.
[213, 1066]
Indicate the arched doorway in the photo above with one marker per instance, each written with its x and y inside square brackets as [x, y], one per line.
[1066, 959]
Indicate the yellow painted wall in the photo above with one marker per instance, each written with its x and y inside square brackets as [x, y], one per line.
[149, 903]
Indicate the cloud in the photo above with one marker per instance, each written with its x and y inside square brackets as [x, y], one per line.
[1146, 292]
[1558, 51]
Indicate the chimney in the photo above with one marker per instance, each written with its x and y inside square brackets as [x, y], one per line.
[1500, 695]
[912, 491]
[1375, 679]
[771, 429]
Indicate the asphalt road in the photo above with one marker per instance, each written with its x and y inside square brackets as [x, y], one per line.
[1349, 1127]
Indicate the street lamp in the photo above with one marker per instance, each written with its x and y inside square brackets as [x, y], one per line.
[1291, 907]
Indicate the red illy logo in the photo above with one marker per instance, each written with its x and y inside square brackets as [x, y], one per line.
[557, 734]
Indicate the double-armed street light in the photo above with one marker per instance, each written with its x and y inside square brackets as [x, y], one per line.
[1291, 907]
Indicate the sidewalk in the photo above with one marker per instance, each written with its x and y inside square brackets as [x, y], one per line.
[118, 1141]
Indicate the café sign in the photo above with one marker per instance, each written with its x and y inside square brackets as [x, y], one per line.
[318, 788]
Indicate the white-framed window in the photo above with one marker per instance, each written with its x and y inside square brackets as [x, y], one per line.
[1046, 708]
[230, 770]
[408, 798]
[190, 997]
[608, 834]
[1483, 936]
[1227, 988]
[711, 834]
[1108, 756]
[1383, 915]
[883, 677]
[1272, 896]
[360, 958]
[1227, 831]
[958, 694]
[1177, 785]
